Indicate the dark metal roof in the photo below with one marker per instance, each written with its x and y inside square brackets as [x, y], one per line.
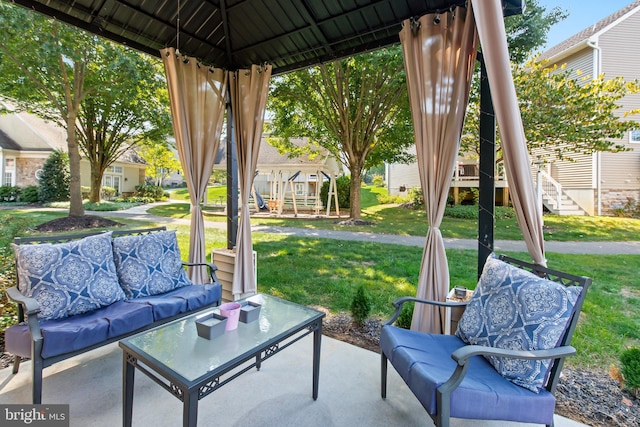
[232, 34]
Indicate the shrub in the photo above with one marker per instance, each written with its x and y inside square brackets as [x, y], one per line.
[415, 194]
[54, 179]
[152, 191]
[361, 305]
[108, 192]
[85, 192]
[378, 180]
[630, 360]
[406, 315]
[9, 193]
[29, 194]
[343, 184]
[385, 199]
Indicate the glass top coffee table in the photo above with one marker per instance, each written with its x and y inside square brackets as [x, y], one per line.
[191, 367]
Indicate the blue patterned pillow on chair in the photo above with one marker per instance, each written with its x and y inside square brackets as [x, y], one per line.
[69, 278]
[149, 264]
[515, 309]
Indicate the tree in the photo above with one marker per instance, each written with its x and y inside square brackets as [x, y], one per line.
[42, 68]
[528, 31]
[161, 162]
[356, 108]
[106, 96]
[128, 106]
[564, 116]
[54, 178]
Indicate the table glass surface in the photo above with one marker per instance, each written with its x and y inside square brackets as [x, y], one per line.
[178, 347]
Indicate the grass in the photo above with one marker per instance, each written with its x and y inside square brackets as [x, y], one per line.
[327, 272]
[392, 219]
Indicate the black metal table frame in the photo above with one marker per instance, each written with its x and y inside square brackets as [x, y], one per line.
[191, 392]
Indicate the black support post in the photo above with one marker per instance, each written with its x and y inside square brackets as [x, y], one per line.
[232, 179]
[487, 197]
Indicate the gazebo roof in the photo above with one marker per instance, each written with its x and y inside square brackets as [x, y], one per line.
[233, 34]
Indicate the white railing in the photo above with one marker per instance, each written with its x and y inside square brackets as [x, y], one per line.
[549, 187]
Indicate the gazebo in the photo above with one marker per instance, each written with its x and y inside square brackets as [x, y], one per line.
[231, 48]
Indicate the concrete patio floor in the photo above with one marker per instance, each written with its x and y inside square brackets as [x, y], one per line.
[277, 395]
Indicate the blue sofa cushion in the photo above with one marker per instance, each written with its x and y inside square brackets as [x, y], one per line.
[70, 334]
[69, 278]
[181, 300]
[514, 309]
[149, 264]
[424, 362]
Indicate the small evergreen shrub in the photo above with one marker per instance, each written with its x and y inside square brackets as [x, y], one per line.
[343, 184]
[54, 179]
[9, 193]
[361, 305]
[406, 315]
[29, 194]
[630, 360]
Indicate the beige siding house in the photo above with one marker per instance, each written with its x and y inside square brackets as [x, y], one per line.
[26, 141]
[602, 182]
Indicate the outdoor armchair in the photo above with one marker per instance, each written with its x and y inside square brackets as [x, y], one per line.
[504, 361]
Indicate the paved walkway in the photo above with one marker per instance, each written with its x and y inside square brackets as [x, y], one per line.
[608, 248]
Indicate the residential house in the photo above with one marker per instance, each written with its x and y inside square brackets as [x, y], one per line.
[26, 141]
[602, 182]
[595, 184]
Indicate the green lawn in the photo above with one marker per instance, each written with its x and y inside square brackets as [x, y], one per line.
[327, 272]
[393, 219]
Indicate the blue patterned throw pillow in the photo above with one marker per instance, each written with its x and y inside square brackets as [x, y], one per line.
[149, 264]
[69, 278]
[515, 309]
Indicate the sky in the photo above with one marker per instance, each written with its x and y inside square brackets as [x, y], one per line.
[582, 14]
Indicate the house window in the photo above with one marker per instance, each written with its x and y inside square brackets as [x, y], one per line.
[299, 188]
[634, 136]
[117, 169]
[9, 163]
[8, 178]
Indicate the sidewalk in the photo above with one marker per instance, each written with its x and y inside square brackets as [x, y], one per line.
[598, 248]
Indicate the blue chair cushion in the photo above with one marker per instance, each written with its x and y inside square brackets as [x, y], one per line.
[69, 334]
[514, 309]
[69, 278]
[424, 362]
[149, 264]
[181, 300]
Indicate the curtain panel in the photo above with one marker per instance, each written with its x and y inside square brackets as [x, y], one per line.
[439, 55]
[248, 89]
[197, 97]
[493, 38]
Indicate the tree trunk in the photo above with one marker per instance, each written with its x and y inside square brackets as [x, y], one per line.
[75, 192]
[354, 197]
[96, 186]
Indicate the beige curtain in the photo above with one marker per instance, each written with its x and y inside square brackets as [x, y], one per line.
[197, 96]
[493, 38]
[249, 90]
[439, 55]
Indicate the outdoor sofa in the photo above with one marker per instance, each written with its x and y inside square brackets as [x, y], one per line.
[79, 292]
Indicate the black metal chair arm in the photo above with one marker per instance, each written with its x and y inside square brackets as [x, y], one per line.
[400, 301]
[212, 268]
[465, 353]
[29, 305]
[462, 355]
